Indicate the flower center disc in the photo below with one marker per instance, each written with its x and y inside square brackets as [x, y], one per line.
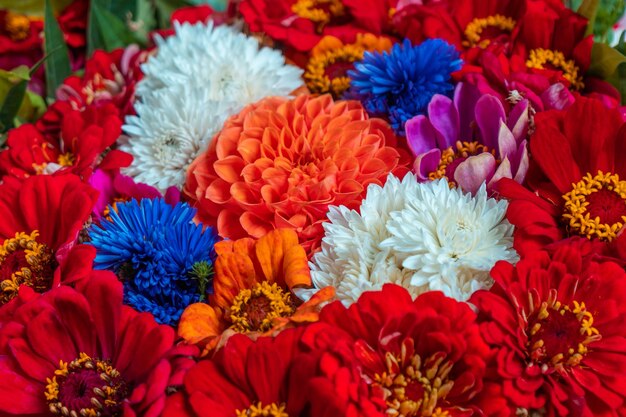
[559, 334]
[546, 59]
[254, 309]
[320, 12]
[86, 387]
[17, 25]
[488, 28]
[258, 410]
[24, 261]
[328, 72]
[596, 206]
[412, 387]
[453, 156]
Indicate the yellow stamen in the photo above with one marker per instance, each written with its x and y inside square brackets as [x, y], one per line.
[576, 205]
[538, 58]
[320, 12]
[17, 25]
[255, 309]
[475, 28]
[459, 150]
[66, 159]
[258, 410]
[36, 273]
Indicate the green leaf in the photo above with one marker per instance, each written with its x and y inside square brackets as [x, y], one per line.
[107, 31]
[605, 60]
[165, 8]
[218, 5]
[589, 9]
[33, 7]
[58, 63]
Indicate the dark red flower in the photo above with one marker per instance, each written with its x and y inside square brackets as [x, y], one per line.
[556, 322]
[300, 24]
[82, 142]
[41, 219]
[578, 186]
[84, 354]
[245, 378]
[422, 357]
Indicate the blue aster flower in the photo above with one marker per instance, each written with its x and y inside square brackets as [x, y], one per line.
[399, 84]
[163, 259]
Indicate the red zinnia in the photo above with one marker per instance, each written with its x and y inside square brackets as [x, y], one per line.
[280, 163]
[78, 146]
[422, 357]
[557, 323]
[245, 378]
[581, 189]
[84, 354]
[301, 24]
[41, 219]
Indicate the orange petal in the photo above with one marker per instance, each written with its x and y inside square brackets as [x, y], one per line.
[200, 322]
[296, 267]
[233, 272]
[309, 312]
[269, 254]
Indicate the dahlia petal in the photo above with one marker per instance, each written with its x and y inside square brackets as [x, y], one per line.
[19, 395]
[229, 168]
[218, 191]
[489, 116]
[254, 225]
[474, 171]
[445, 119]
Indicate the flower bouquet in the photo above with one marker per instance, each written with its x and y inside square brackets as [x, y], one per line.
[312, 208]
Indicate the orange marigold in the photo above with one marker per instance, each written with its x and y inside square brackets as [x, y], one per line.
[252, 290]
[280, 163]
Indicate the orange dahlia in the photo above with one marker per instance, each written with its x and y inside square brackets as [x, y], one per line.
[252, 290]
[280, 163]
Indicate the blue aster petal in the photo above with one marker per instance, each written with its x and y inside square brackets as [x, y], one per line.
[152, 246]
[398, 85]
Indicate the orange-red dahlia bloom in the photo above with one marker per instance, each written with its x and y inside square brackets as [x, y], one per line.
[41, 219]
[252, 290]
[280, 163]
[557, 324]
[67, 353]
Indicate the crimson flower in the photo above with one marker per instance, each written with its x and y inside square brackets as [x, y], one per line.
[556, 322]
[578, 187]
[85, 354]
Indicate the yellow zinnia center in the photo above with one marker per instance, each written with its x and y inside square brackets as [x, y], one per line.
[254, 309]
[17, 25]
[475, 29]
[320, 12]
[258, 410]
[596, 206]
[460, 150]
[545, 58]
[24, 261]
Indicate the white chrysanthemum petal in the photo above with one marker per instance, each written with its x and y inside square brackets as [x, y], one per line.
[172, 127]
[199, 77]
[420, 236]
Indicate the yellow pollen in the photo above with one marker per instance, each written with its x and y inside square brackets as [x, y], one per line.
[17, 25]
[66, 159]
[35, 270]
[107, 397]
[108, 208]
[255, 309]
[577, 203]
[459, 150]
[538, 58]
[573, 355]
[400, 378]
[476, 27]
[258, 410]
[320, 12]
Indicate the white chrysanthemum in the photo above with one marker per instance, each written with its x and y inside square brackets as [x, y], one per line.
[172, 127]
[229, 64]
[199, 77]
[420, 236]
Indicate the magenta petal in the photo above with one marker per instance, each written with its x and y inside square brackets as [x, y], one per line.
[522, 165]
[421, 136]
[503, 171]
[489, 114]
[474, 171]
[506, 142]
[426, 163]
[445, 120]
[465, 98]
[557, 97]
[519, 119]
